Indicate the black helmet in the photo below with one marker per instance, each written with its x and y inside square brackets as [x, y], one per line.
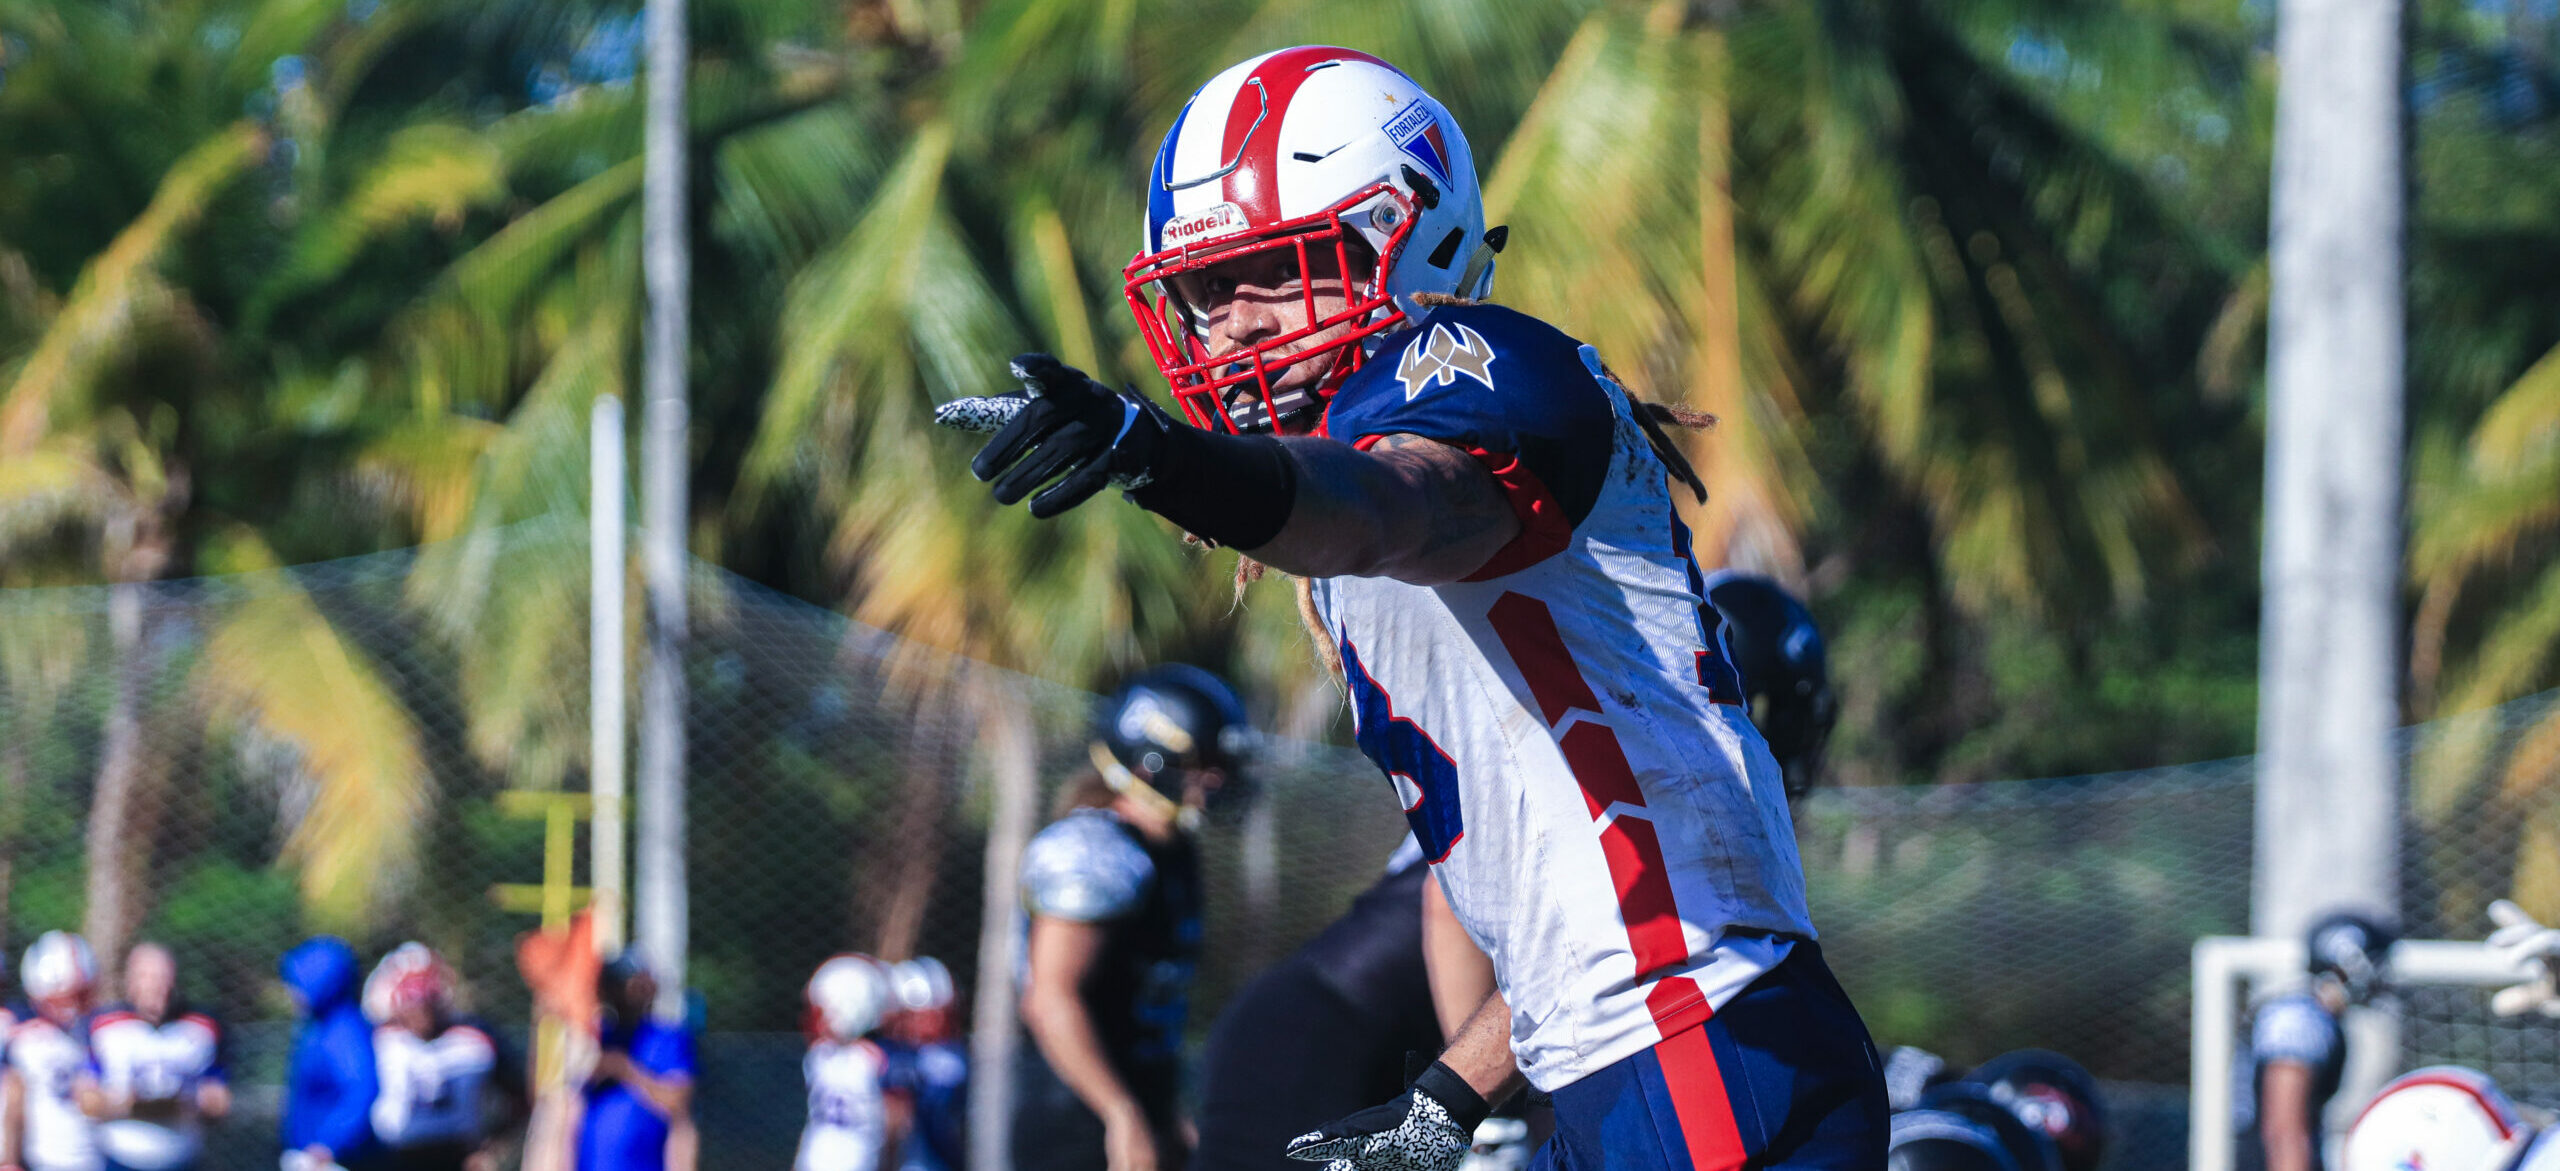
[1786, 677]
[2031, 1149]
[1164, 723]
[2353, 947]
[2051, 1093]
[1938, 1140]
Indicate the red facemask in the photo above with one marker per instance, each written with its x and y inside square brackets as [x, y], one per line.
[1233, 391]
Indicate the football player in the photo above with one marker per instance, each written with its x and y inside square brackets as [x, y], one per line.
[1324, 1031]
[435, 1069]
[1484, 520]
[2298, 1051]
[935, 1063]
[857, 1117]
[48, 1055]
[156, 1071]
[1112, 894]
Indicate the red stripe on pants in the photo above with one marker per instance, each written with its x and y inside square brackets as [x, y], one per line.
[1696, 1085]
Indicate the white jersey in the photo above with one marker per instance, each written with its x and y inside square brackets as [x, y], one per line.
[848, 1115]
[51, 1060]
[1563, 728]
[159, 1069]
[431, 1089]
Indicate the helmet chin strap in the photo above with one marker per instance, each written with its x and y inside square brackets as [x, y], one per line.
[1134, 787]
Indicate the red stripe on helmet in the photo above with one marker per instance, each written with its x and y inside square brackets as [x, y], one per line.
[1255, 183]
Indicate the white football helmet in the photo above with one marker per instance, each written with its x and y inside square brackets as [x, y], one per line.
[850, 993]
[57, 964]
[1315, 152]
[922, 984]
[2442, 1118]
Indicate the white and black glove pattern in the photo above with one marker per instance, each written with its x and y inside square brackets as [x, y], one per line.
[2522, 941]
[1064, 427]
[1428, 1128]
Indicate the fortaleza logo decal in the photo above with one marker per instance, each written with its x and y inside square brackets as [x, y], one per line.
[1417, 132]
[1207, 225]
[1439, 358]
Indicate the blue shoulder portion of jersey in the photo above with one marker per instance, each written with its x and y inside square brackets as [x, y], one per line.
[1085, 867]
[1491, 380]
[2294, 1027]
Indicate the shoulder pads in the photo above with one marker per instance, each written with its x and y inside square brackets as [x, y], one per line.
[1087, 868]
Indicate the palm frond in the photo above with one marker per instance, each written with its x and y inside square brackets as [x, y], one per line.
[118, 287]
[275, 668]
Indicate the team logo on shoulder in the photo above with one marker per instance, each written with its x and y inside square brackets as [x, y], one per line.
[1438, 358]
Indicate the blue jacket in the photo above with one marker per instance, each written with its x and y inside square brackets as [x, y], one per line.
[328, 1094]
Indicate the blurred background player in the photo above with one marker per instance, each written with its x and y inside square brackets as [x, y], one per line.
[157, 1073]
[48, 1057]
[2297, 1049]
[858, 1119]
[639, 1096]
[1324, 1031]
[440, 1076]
[330, 1085]
[1786, 676]
[935, 1065]
[1112, 894]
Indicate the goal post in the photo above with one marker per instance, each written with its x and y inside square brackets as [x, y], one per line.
[2227, 968]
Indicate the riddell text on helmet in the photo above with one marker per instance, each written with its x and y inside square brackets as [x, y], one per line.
[1215, 222]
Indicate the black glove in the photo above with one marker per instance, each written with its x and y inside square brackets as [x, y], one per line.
[1428, 1128]
[1074, 430]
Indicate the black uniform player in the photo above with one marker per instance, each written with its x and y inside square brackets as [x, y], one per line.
[1113, 894]
[1786, 678]
[2297, 1051]
[1323, 1032]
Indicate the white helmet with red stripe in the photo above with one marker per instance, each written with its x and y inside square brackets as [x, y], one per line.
[2442, 1118]
[1327, 154]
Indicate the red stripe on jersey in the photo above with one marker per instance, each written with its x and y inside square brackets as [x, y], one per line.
[1254, 184]
[1591, 750]
[1699, 1100]
[1644, 894]
[1528, 630]
[1600, 767]
[1544, 528]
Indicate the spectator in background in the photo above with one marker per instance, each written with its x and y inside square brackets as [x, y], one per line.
[440, 1075]
[640, 1095]
[330, 1086]
[48, 1055]
[155, 1071]
[857, 1118]
[935, 1065]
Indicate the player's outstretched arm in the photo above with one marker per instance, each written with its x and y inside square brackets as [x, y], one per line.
[1408, 507]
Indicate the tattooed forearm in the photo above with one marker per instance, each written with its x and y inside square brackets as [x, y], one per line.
[1408, 508]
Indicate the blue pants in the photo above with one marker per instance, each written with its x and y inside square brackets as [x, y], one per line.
[1784, 1075]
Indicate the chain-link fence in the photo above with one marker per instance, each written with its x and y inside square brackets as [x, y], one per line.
[227, 764]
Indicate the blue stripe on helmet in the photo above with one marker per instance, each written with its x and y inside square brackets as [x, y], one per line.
[1159, 178]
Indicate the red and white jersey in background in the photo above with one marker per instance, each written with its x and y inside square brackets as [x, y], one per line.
[848, 1116]
[50, 1060]
[159, 1068]
[431, 1087]
[1563, 727]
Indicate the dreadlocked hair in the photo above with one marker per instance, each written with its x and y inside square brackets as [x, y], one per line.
[1652, 416]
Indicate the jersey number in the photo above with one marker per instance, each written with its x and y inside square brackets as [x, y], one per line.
[1426, 780]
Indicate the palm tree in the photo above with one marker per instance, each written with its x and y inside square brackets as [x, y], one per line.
[117, 400]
